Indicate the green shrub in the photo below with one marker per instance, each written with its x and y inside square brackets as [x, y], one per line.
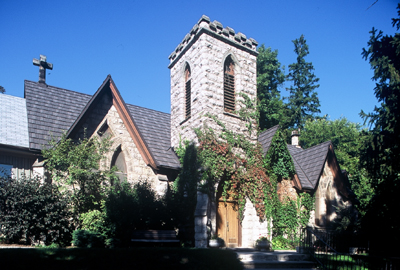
[280, 242]
[35, 211]
[95, 221]
[135, 207]
[87, 239]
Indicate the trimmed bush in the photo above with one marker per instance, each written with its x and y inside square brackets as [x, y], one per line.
[87, 239]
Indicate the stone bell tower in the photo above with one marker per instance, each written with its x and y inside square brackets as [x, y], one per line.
[209, 69]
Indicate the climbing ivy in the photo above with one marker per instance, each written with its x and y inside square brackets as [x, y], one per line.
[236, 162]
[287, 215]
[278, 160]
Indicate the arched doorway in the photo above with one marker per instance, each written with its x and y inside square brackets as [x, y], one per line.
[228, 224]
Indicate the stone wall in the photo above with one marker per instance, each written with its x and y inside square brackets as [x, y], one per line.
[205, 53]
[252, 228]
[137, 170]
[286, 190]
[327, 197]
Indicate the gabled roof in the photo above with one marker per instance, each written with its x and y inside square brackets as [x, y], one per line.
[13, 121]
[308, 163]
[53, 110]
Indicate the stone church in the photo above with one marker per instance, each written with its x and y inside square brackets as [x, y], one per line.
[210, 69]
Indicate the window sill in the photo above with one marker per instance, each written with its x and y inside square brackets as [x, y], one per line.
[184, 121]
[232, 114]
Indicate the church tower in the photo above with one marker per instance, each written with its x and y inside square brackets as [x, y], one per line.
[209, 69]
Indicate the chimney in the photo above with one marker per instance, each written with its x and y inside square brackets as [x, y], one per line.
[43, 65]
[295, 138]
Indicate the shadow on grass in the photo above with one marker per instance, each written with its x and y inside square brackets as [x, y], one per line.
[141, 258]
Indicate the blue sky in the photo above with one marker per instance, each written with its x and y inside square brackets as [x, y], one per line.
[131, 40]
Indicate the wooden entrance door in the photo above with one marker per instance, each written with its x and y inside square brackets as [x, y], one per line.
[228, 227]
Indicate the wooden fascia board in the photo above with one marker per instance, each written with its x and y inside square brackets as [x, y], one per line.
[131, 127]
[297, 183]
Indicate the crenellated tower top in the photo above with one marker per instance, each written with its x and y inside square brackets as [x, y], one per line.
[215, 29]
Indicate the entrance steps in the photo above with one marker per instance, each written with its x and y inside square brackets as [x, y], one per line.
[253, 259]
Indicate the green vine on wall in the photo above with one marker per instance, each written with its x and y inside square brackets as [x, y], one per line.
[287, 215]
[238, 164]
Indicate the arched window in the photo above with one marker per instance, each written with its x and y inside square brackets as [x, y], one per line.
[188, 91]
[229, 85]
[118, 161]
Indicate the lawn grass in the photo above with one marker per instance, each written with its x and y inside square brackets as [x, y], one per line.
[132, 258]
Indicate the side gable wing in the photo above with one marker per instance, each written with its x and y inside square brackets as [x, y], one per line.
[309, 163]
[108, 88]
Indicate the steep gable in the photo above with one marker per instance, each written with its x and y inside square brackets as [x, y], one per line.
[52, 111]
[309, 163]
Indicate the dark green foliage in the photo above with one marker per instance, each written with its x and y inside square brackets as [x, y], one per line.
[184, 194]
[287, 215]
[135, 207]
[76, 165]
[87, 239]
[2, 90]
[278, 161]
[303, 103]
[270, 77]
[381, 154]
[35, 211]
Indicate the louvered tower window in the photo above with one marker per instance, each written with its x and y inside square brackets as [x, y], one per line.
[188, 89]
[229, 85]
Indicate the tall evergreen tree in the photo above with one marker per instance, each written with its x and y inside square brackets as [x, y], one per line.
[303, 103]
[382, 152]
[270, 77]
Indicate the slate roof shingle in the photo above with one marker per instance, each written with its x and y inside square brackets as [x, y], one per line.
[52, 110]
[309, 163]
[265, 138]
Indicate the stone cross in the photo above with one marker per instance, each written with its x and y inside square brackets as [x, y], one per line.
[43, 65]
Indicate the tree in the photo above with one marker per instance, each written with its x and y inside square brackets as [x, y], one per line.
[76, 165]
[270, 77]
[303, 103]
[381, 153]
[2, 90]
[347, 139]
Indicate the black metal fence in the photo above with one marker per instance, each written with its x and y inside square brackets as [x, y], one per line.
[342, 251]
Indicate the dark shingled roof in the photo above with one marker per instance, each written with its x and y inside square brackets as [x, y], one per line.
[265, 138]
[52, 110]
[308, 163]
[155, 128]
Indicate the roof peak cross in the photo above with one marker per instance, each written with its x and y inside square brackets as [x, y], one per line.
[43, 65]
